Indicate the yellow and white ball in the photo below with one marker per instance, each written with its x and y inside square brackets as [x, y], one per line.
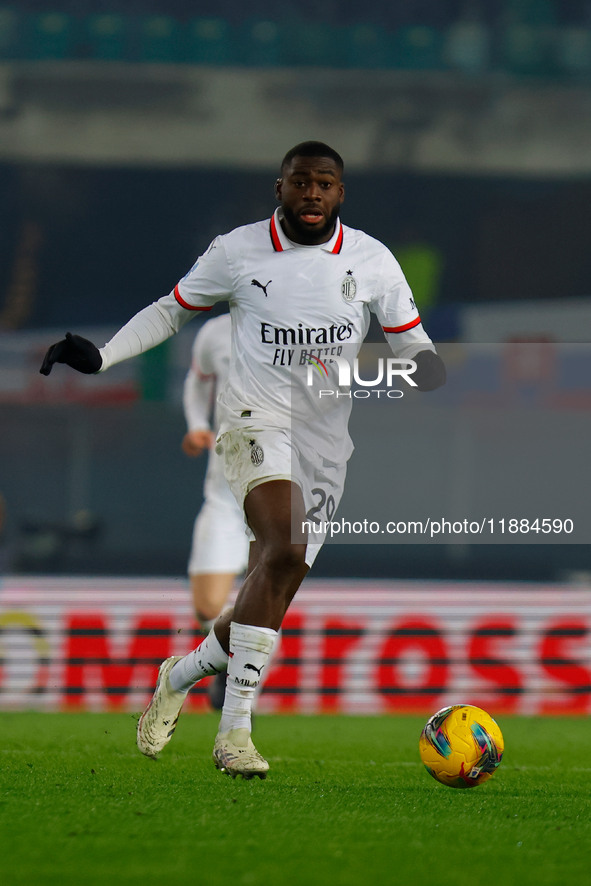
[461, 746]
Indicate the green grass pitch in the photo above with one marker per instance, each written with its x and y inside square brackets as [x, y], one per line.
[347, 801]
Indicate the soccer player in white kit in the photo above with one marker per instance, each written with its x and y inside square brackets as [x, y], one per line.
[300, 286]
[219, 546]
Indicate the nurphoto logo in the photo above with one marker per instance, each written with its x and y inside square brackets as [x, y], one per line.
[388, 371]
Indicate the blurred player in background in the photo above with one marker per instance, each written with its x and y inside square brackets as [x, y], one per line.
[301, 286]
[219, 549]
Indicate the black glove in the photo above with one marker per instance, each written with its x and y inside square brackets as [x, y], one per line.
[77, 352]
[430, 372]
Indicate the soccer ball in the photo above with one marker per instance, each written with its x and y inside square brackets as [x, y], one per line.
[461, 746]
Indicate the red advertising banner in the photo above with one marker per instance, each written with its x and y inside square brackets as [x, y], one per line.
[346, 646]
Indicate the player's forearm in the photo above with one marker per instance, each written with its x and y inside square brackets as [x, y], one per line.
[197, 400]
[416, 345]
[150, 327]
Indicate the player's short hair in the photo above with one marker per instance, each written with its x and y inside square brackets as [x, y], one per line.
[313, 149]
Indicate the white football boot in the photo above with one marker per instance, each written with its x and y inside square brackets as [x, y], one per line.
[235, 754]
[158, 722]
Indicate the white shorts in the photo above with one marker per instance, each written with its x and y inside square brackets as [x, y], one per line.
[252, 457]
[220, 543]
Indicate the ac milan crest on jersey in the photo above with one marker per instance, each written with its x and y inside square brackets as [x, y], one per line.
[257, 456]
[349, 287]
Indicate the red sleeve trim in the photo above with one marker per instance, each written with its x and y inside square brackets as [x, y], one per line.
[186, 305]
[403, 328]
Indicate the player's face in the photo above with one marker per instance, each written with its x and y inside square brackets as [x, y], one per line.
[310, 192]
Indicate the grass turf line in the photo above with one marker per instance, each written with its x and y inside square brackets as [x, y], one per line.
[346, 801]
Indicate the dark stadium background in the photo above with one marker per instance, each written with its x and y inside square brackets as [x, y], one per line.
[84, 244]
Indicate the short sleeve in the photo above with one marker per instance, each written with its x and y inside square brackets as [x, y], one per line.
[396, 310]
[208, 282]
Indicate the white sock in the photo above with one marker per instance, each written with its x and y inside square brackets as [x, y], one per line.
[270, 660]
[209, 658]
[250, 647]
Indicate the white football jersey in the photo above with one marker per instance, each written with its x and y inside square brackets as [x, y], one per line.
[219, 540]
[291, 305]
[210, 364]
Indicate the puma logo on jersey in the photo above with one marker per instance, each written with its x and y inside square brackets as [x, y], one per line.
[253, 668]
[260, 285]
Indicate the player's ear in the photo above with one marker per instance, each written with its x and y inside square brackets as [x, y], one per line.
[278, 184]
[342, 189]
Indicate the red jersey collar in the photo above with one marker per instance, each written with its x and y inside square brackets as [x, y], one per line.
[281, 242]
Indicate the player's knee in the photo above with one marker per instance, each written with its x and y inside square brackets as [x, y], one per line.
[284, 560]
